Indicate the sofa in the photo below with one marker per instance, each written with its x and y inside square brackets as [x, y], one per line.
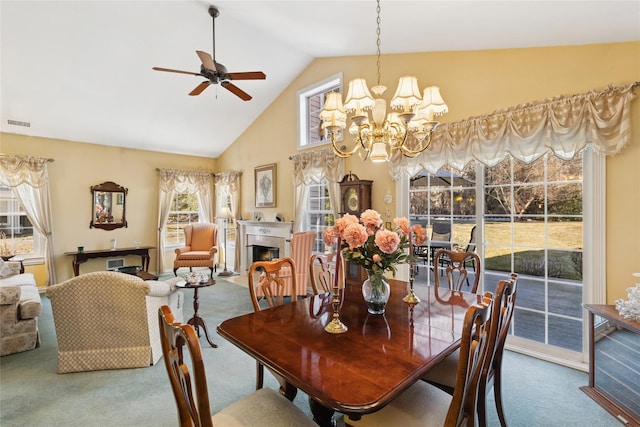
[20, 306]
[109, 320]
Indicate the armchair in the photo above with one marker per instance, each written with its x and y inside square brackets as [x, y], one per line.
[20, 306]
[107, 320]
[199, 249]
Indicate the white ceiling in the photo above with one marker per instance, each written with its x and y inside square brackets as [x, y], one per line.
[81, 70]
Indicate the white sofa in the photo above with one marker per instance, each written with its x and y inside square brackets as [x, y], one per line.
[109, 320]
[20, 306]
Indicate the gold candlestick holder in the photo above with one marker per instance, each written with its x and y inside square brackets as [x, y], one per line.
[411, 298]
[336, 326]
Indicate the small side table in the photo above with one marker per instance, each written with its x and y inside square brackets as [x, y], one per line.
[196, 321]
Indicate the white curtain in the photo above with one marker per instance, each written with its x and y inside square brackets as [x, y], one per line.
[228, 192]
[313, 166]
[181, 181]
[28, 179]
[563, 125]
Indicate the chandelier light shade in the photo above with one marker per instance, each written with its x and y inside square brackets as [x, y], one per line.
[378, 136]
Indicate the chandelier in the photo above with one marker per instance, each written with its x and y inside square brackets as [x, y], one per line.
[378, 136]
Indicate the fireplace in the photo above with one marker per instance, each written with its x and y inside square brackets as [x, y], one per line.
[263, 241]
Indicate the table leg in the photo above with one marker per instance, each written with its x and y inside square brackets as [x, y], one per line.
[198, 321]
[322, 415]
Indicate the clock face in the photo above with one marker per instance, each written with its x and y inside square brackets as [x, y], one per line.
[352, 200]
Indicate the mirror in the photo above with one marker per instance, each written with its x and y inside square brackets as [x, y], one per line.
[108, 206]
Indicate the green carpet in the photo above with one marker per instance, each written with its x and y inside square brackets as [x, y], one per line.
[537, 393]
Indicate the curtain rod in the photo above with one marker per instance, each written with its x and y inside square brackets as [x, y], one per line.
[184, 170]
[17, 155]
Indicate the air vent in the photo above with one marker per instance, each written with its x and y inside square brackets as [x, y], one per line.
[113, 263]
[19, 123]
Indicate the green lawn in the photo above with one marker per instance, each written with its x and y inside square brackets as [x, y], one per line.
[564, 237]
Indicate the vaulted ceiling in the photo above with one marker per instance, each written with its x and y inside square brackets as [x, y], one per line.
[82, 70]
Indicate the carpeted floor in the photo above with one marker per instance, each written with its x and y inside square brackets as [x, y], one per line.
[537, 393]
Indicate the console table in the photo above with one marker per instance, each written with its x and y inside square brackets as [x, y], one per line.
[614, 347]
[80, 257]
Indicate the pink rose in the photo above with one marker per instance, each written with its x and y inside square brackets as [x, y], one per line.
[403, 225]
[419, 234]
[342, 224]
[387, 241]
[328, 236]
[355, 235]
[371, 219]
[376, 258]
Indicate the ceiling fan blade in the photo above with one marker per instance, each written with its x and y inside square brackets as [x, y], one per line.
[198, 90]
[176, 71]
[236, 90]
[249, 75]
[207, 60]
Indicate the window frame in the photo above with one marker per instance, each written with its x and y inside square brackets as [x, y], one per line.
[16, 209]
[330, 84]
[181, 241]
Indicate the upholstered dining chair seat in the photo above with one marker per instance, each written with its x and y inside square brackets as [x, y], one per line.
[421, 405]
[264, 407]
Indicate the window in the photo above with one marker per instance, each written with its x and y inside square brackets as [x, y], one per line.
[185, 210]
[319, 213]
[310, 103]
[533, 225]
[17, 235]
[530, 219]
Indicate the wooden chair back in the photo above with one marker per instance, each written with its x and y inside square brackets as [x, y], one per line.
[322, 274]
[501, 315]
[190, 392]
[474, 349]
[265, 281]
[456, 273]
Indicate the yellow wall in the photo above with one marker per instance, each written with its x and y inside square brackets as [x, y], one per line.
[473, 83]
[77, 167]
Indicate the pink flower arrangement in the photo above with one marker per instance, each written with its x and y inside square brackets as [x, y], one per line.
[367, 243]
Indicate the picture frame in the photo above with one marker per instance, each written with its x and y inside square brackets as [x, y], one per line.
[265, 186]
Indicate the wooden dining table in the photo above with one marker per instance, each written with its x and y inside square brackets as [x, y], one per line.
[363, 369]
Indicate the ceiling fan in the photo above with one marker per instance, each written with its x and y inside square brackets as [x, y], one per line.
[216, 72]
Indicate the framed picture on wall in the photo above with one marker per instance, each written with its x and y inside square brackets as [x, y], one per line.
[265, 185]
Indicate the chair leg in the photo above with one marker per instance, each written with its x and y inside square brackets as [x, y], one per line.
[481, 406]
[211, 268]
[259, 375]
[497, 393]
[175, 272]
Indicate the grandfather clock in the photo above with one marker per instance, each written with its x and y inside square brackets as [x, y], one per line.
[355, 196]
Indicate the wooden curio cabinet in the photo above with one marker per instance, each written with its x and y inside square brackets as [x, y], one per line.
[355, 196]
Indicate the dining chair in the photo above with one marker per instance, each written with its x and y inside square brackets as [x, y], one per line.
[301, 247]
[455, 271]
[189, 384]
[443, 374]
[266, 284]
[423, 404]
[322, 270]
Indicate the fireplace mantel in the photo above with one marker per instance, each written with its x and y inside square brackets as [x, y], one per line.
[264, 233]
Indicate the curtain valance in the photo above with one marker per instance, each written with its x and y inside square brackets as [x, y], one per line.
[564, 126]
[17, 170]
[228, 179]
[312, 166]
[184, 181]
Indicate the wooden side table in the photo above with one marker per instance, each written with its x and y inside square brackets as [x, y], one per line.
[196, 321]
[15, 258]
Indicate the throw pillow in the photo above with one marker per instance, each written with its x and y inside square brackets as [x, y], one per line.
[5, 270]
